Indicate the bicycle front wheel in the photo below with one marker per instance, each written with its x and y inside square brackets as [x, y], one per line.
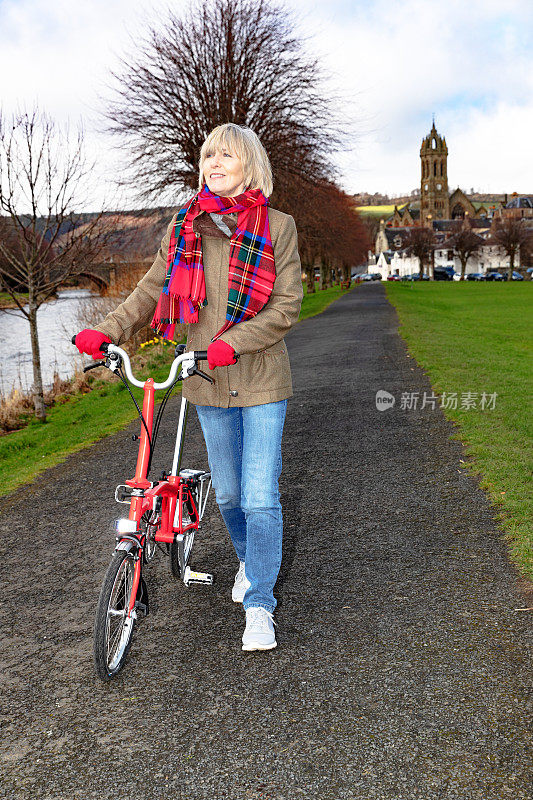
[113, 628]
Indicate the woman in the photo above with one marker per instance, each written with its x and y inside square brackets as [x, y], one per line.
[229, 267]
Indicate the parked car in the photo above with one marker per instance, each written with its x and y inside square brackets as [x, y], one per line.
[475, 276]
[366, 277]
[515, 276]
[376, 276]
[393, 278]
[443, 273]
[494, 275]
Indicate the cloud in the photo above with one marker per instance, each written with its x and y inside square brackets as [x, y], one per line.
[470, 64]
[395, 63]
[490, 151]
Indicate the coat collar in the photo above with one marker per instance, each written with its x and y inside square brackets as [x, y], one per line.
[204, 225]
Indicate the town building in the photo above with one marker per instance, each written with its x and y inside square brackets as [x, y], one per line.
[445, 213]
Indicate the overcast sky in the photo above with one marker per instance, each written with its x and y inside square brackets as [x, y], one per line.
[395, 62]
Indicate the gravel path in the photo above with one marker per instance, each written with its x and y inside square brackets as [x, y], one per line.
[401, 670]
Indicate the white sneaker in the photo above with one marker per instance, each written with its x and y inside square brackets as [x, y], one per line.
[259, 633]
[241, 585]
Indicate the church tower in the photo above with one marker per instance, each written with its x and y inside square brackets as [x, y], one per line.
[434, 198]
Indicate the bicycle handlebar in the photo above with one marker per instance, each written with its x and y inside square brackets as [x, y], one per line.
[191, 356]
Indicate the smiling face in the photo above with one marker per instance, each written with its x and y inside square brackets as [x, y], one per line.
[222, 172]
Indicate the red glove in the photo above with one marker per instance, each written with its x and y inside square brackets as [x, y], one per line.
[220, 354]
[90, 342]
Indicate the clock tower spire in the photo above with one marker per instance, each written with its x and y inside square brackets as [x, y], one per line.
[434, 197]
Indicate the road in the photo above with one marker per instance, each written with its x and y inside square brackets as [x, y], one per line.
[402, 669]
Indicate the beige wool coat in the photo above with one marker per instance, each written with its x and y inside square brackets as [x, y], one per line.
[262, 374]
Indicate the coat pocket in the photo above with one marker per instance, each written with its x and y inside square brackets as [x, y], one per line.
[266, 370]
[274, 349]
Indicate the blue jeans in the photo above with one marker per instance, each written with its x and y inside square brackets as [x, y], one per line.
[244, 453]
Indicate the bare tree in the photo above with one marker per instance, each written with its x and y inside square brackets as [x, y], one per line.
[420, 243]
[42, 243]
[511, 235]
[343, 234]
[465, 243]
[225, 61]
[354, 245]
[372, 225]
[309, 216]
[330, 233]
[526, 251]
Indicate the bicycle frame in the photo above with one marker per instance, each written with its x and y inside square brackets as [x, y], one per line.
[174, 485]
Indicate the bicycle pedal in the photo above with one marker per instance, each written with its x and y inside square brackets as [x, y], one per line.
[141, 608]
[191, 576]
[141, 604]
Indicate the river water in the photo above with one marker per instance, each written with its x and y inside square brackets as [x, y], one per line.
[57, 321]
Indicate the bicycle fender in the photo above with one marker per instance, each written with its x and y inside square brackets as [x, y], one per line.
[127, 545]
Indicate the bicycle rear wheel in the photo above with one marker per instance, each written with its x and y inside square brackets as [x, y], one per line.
[113, 628]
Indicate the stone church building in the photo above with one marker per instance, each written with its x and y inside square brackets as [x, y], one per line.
[435, 200]
[442, 211]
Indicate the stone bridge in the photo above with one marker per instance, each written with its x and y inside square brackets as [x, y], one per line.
[105, 275]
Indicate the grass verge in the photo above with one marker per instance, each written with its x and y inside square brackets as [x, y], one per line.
[476, 337]
[86, 418]
[6, 301]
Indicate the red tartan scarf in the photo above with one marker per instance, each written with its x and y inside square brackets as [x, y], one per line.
[251, 262]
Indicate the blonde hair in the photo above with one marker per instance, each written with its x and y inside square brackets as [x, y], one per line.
[245, 143]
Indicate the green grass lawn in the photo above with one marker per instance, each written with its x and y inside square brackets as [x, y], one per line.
[477, 337]
[6, 301]
[86, 418]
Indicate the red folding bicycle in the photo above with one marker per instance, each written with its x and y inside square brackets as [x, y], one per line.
[163, 514]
